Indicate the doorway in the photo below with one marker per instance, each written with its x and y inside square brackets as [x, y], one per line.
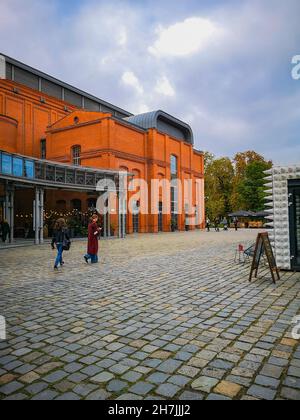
[294, 199]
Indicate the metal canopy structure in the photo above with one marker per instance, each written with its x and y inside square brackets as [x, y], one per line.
[18, 170]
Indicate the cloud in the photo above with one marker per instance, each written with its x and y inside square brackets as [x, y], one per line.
[164, 87]
[223, 67]
[185, 38]
[130, 79]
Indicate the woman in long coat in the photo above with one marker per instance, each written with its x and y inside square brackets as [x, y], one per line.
[93, 241]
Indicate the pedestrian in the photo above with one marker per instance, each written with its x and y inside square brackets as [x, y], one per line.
[61, 239]
[93, 241]
[5, 230]
[236, 223]
[225, 224]
[217, 222]
[208, 225]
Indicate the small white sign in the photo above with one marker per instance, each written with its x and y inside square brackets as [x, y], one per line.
[2, 328]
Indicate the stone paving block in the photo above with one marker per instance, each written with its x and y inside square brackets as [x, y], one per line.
[5, 379]
[267, 382]
[36, 388]
[84, 389]
[132, 376]
[272, 371]
[158, 378]
[47, 395]
[168, 390]
[204, 384]
[294, 371]
[129, 397]
[69, 396]
[141, 388]
[228, 389]
[217, 397]
[11, 387]
[56, 376]
[169, 366]
[179, 380]
[290, 394]
[292, 382]
[103, 377]
[29, 378]
[116, 386]
[191, 396]
[261, 392]
[91, 370]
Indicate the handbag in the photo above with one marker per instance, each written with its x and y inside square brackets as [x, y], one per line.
[66, 245]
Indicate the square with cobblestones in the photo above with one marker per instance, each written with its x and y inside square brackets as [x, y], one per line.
[167, 315]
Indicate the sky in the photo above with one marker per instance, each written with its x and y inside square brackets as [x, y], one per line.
[225, 67]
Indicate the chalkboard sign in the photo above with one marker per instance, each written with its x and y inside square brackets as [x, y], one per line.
[264, 247]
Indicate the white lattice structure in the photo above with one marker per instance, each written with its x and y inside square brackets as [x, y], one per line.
[277, 183]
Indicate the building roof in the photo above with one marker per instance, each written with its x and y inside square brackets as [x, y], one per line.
[163, 122]
[24, 74]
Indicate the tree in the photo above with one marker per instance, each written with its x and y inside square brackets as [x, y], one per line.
[218, 180]
[252, 187]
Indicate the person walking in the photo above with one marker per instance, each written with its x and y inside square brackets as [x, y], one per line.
[61, 240]
[5, 230]
[208, 225]
[217, 222]
[93, 241]
[236, 223]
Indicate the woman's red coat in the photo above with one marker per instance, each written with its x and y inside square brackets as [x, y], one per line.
[93, 245]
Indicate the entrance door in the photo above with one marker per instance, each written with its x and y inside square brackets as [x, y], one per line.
[160, 217]
[294, 192]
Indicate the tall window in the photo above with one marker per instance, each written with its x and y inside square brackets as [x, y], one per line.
[43, 151]
[174, 192]
[76, 155]
[174, 166]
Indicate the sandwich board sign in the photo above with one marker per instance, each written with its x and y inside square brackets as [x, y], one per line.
[263, 247]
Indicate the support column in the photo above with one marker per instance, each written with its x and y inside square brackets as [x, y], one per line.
[122, 214]
[41, 216]
[9, 209]
[37, 216]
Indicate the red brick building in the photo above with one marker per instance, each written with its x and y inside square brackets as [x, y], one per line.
[43, 118]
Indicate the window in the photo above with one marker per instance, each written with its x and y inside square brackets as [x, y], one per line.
[61, 205]
[76, 152]
[43, 152]
[174, 166]
[76, 205]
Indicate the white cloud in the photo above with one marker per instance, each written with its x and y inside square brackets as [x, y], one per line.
[164, 87]
[185, 38]
[122, 38]
[130, 79]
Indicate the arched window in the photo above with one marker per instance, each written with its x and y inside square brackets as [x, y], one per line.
[76, 155]
[92, 204]
[61, 205]
[76, 205]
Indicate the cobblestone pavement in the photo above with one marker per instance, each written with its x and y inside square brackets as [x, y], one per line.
[166, 316]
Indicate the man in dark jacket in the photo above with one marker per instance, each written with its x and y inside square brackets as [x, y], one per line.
[60, 237]
[5, 230]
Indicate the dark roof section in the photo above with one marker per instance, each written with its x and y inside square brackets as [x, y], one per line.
[21, 73]
[165, 123]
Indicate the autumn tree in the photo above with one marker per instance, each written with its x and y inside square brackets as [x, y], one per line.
[252, 187]
[218, 179]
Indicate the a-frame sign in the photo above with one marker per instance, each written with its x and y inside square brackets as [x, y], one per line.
[263, 246]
